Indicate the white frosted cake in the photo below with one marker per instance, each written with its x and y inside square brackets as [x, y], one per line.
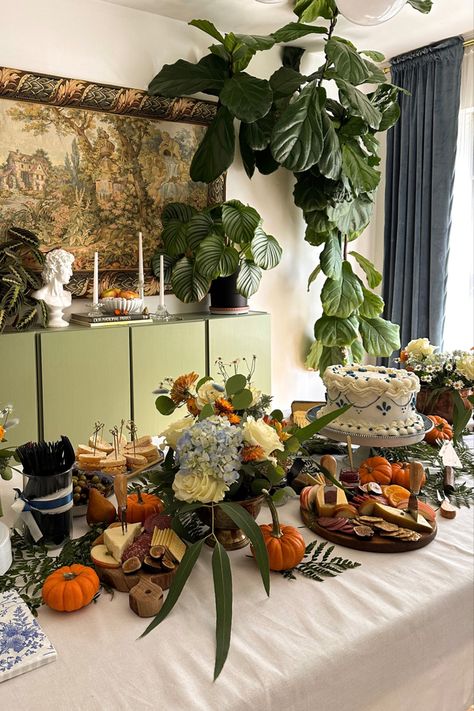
[383, 400]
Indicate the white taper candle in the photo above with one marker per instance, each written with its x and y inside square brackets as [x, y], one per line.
[140, 258]
[162, 280]
[95, 289]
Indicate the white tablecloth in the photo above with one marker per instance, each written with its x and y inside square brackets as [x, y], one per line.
[395, 634]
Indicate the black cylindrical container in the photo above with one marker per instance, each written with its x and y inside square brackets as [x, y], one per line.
[224, 296]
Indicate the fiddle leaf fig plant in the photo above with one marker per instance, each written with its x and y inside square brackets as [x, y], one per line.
[290, 120]
[200, 246]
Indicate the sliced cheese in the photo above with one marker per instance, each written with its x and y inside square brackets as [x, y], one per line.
[324, 507]
[116, 541]
[168, 538]
[402, 518]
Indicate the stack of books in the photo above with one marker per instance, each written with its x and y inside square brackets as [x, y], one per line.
[109, 319]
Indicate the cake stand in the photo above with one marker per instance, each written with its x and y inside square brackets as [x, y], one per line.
[365, 442]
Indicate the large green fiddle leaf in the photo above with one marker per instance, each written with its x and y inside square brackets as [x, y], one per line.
[358, 103]
[357, 351]
[285, 81]
[208, 27]
[258, 133]
[310, 10]
[188, 284]
[390, 117]
[347, 61]
[314, 275]
[330, 161]
[421, 5]
[380, 337]
[333, 331]
[374, 277]
[265, 162]
[248, 279]
[246, 97]
[374, 55]
[222, 577]
[295, 30]
[256, 42]
[340, 297]
[297, 140]
[239, 221]
[208, 256]
[247, 153]
[372, 305]
[331, 257]
[362, 176]
[216, 151]
[182, 77]
[265, 250]
[351, 217]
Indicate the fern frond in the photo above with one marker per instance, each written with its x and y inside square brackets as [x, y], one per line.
[317, 564]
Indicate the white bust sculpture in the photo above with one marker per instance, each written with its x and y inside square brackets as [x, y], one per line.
[57, 271]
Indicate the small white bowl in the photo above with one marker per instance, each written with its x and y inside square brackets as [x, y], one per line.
[125, 306]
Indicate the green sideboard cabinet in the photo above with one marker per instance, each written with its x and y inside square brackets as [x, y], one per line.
[61, 381]
[167, 350]
[18, 384]
[85, 376]
[239, 337]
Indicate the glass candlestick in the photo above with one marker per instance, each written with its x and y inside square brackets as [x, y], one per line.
[95, 310]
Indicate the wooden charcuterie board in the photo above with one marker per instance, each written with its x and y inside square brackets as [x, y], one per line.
[376, 544]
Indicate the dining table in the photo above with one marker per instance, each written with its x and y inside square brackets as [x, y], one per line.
[393, 634]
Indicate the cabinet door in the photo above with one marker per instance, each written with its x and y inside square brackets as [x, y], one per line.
[85, 378]
[238, 337]
[158, 352]
[18, 385]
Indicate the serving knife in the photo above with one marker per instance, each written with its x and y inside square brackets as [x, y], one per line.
[416, 477]
[120, 491]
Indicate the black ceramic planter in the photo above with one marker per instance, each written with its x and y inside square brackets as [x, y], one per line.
[224, 297]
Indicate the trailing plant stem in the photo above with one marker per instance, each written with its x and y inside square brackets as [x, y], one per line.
[326, 63]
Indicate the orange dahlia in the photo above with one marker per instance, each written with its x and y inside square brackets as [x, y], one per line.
[180, 390]
[252, 454]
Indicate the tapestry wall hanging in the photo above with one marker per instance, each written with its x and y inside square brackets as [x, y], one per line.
[86, 166]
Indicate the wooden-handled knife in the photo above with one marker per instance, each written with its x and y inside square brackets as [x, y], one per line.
[416, 478]
[120, 491]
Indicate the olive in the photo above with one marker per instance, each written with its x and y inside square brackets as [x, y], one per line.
[77, 489]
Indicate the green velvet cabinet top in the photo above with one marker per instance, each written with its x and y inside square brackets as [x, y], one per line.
[62, 381]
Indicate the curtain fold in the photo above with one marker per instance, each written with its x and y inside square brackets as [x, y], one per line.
[421, 152]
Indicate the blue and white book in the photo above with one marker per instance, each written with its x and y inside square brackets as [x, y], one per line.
[23, 644]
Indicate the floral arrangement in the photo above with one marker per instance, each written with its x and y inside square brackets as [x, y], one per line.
[223, 451]
[439, 370]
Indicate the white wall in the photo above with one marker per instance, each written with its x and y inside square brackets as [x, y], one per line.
[105, 43]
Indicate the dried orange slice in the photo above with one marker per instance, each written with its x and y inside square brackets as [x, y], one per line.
[395, 493]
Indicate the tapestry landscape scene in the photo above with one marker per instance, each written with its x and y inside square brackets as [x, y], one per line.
[88, 181]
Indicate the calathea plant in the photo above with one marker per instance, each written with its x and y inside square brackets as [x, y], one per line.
[200, 246]
[19, 249]
[329, 144]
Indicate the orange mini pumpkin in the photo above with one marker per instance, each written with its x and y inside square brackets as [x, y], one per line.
[285, 544]
[375, 469]
[401, 474]
[71, 587]
[442, 430]
[141, 505]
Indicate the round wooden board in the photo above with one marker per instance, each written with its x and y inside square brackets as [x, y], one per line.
[376, 544]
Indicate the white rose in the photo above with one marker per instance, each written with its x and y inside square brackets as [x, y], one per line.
[174, 431]
[207, 394]
[199, 487]
[259, 434]
[465, 366]
[256, 395]
[420, 347]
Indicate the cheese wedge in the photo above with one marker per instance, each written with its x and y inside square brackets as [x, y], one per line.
[168, 538]
[116, 541]
[402, 518]
[327, 498]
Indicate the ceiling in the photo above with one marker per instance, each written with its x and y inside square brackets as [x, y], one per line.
[409, 29]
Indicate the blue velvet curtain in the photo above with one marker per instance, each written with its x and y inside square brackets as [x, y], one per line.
[421, 151]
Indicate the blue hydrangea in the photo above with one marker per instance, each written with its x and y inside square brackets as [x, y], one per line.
[211, 447]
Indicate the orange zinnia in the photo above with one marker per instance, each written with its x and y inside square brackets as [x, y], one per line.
[180, 390]
[193, 409]
[233, 419]
[223, 405]
[252, 454]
